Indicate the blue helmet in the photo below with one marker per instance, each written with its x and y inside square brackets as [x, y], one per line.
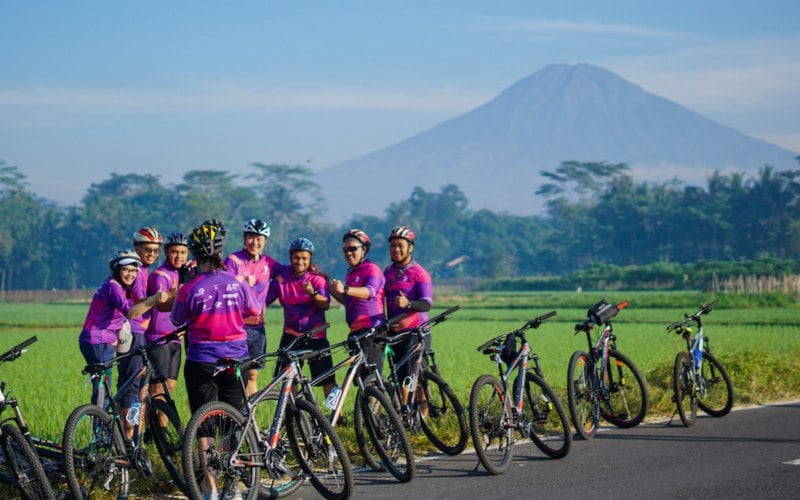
[176, 239]
[301, 244]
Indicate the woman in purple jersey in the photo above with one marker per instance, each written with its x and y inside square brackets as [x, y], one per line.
[213, 304]
[362, 290]
[111, 306]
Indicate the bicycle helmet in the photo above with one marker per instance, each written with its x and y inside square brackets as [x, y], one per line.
[206, 239]
[124, 258]
[301, 244]
[402, 232]
[257, 226]
[359, 235]
[176, 239]
[147, 235]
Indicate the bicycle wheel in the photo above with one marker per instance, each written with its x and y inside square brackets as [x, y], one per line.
[580, 396]
[444, 421]
[684, 388]
[282, 474]
[386, 433]
[166, 428]
[487, 418]
[24, 465]
[717, 397]
[319, 450]
[95, 460]
[363, 441]
[218, 438]
[627, 392]
[547, 424]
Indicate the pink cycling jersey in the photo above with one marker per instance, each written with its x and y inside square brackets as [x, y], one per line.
[107, 310]
[242, 265]
[163, 279]
[359, 313]
[215, 304]
[300, 312]
[415, 283]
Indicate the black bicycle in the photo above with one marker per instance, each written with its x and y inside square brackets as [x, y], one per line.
[20, 466]
[699, 379]
[497, 409]
[423, 399]
[98, 456]
[604, 382]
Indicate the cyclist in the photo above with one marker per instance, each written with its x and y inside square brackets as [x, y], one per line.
[362, 290]
[167, 357]
[408, 290]
[305, 299]
[214, 304]
[250, 265]
[111, 307]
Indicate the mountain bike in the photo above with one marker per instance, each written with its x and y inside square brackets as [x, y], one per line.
[423, 399]
[495, 413]
[98, 456]
[604, 382]
[20, 466]
[225, 449]
[377, 425]
[699, 379]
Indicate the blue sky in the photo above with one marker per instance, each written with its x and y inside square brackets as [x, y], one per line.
[88, 88]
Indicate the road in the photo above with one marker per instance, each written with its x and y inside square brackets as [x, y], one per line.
[750, 453]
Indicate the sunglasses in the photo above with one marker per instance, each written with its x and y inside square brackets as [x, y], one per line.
[150, 251]
[350, 249]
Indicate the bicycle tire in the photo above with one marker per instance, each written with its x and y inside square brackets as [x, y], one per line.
[94, 453]
[375, 414]
[168, 440]
[627, 403]
[493, 440]
[445, 415]
[549, 425]
[581, 399]
[317, 447]
[720, 402]
[287, 475]
[363, 441]
[29, 476]
[220, 426]
[683, 387]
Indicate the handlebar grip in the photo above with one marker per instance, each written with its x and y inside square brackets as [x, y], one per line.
[623, 304]
[26, 343]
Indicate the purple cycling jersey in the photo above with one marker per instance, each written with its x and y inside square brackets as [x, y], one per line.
[214, 304]
[242, 265]
[415, 283]
[300, 312]
[163, 279]
[360, 313]
[107, 310]
[139, 292]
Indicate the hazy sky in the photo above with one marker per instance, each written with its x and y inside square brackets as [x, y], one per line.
[88, 88]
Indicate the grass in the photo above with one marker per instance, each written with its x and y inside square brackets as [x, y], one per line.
[758, 341]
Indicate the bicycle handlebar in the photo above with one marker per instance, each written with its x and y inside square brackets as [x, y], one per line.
[17, 350]
[534, 323]
[704, 309]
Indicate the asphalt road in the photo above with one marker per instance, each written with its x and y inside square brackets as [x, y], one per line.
[750, 453]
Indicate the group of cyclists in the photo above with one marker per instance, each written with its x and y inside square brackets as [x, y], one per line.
[221, 301]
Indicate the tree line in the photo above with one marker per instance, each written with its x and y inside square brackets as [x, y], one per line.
[596, 215]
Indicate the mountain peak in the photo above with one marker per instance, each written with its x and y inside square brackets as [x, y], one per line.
[496, 152]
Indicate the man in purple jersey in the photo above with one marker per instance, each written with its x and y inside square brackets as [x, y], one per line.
[166, 358]
[251, 266]
[408, 290]
[362, 290]
[214, 304]
[305, 299]
[112, 304]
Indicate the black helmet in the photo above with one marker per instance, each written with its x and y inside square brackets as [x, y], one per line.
[206, 239]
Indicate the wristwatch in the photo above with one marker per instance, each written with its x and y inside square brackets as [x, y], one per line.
[346, 289]
[316, 292]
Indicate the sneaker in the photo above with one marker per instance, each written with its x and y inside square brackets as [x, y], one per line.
[211, 496]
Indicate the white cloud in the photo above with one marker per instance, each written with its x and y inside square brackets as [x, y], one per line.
[584, 28]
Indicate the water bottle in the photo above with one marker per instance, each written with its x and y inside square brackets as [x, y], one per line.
[333, 398]
[133, 413]
[698, 357]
